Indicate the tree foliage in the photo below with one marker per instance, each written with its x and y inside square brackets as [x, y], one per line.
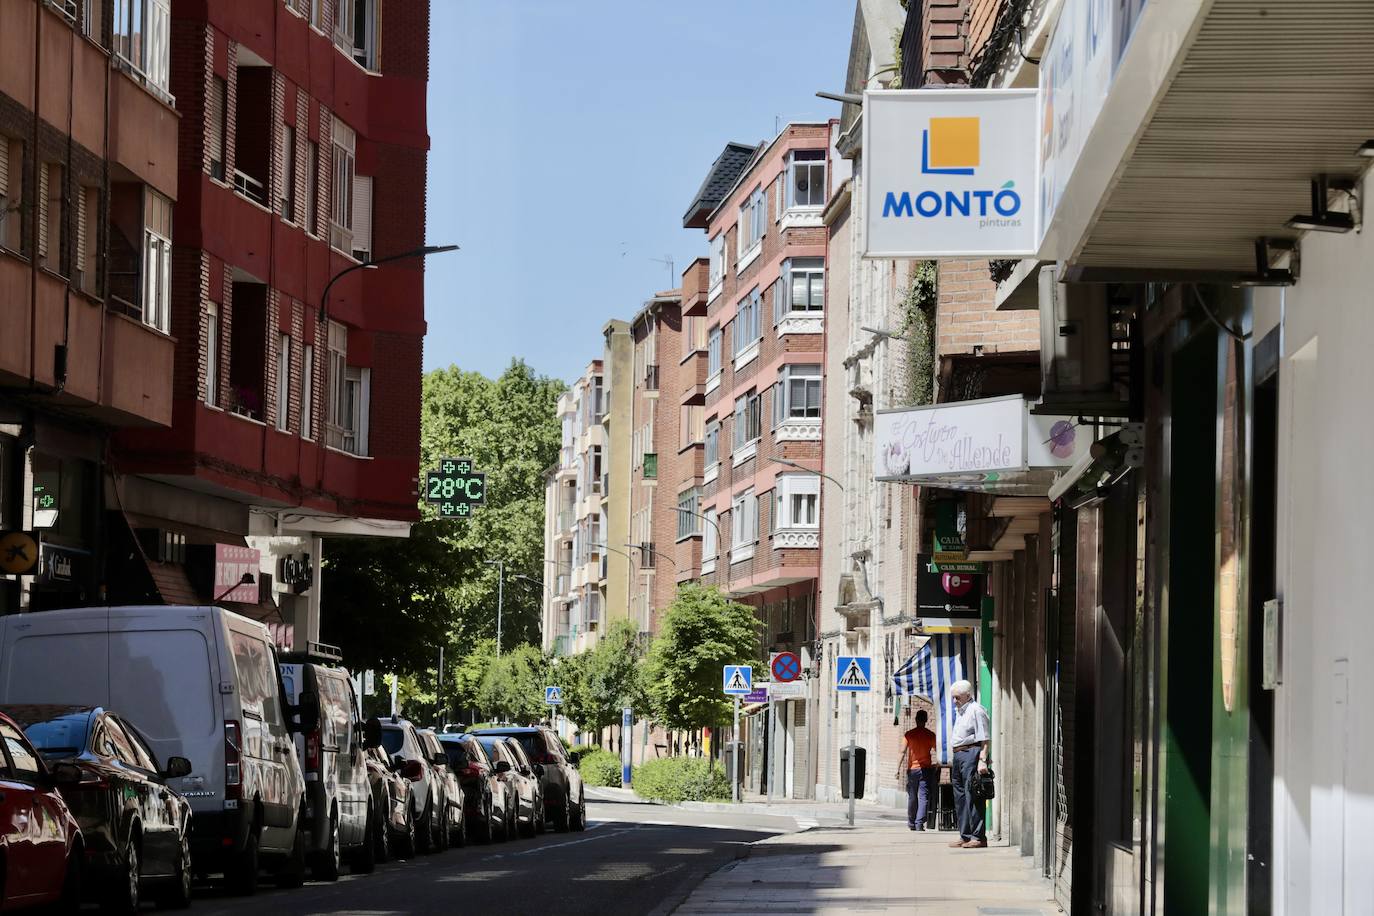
[599, 683]
[702, 631]
[513, 688]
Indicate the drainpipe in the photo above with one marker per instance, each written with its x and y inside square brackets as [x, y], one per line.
[33, 195]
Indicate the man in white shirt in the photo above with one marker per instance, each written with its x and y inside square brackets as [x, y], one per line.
[969, 739]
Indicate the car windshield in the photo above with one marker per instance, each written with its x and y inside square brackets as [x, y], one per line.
[491, 744]
[457, 757]
[393, 739]
[63, 736]
[530, 742]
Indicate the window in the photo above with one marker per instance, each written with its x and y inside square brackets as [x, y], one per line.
[212, 354]
[92, 13]
[341, 208]
[355, 31]
[362, 218]
[308, 392]
[691, 425]
[349, 396]
[283, 382]
[142, 32]
[22, 757]
[51, 217]
[157, 260]
[317, 14]
[779, 195]
[287, 203]
[717, 269]
[801, 288]
[753, 220]
[798, 395]
[797, 501]
[712, 455]
[710, 540]
[11, 192]
[688, 521]
[594, 469]
[747, 419]
[713, 342]
[87, 208]
[806, 185]
[216, 107]
[747, 329]
[744, 525]
[312, 187]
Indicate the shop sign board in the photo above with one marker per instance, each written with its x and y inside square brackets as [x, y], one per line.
[950, 173]
[788, 690]
[951, 595]
[956, 438]
[236, 573]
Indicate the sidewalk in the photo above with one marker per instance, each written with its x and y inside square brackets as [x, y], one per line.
[806, 813]
[875, 869]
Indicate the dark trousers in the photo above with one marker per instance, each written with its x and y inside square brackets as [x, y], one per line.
[920, 784]
[970, 812]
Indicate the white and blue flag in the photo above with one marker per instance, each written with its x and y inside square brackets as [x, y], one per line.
[943, 660]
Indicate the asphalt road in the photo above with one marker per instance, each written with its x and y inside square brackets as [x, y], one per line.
[634, 858]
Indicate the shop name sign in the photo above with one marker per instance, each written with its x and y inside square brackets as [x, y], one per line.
[950, 173]
[968, 437]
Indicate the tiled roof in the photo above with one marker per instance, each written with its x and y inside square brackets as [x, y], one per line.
[724, 172]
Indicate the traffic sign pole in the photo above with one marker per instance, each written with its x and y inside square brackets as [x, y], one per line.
[772, 749]
[853, 747]
[734, 755]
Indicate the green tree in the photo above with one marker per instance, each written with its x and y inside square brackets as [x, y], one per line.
[613, 677]
[702, 632]
[570, 672]
[513, 688]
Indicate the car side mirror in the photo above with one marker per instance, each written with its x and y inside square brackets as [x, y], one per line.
[65, 774]
[503, 766]
[372, 733]
[307, 712]
[440, 759]
[539, 769]
[177, 767]
[413, 770]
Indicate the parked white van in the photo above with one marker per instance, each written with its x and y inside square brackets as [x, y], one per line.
[200, 683]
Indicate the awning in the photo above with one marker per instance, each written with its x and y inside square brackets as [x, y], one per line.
[993, 445]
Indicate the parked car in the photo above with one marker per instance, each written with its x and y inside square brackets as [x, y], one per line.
[453, 822]
[391, 803]
[36, 827]
[136, 831]
[484, 792]
[565, 804]
[331, 755]
[507, 771]
[417, 763]
[202, 683]
[531, 806]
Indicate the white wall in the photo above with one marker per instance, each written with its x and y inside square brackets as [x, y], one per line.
[1324, 783]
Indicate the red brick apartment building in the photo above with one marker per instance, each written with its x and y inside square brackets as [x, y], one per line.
[300, 152]
[763, 307]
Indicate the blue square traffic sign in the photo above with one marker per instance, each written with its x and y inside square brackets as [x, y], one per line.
[738, 680]
[853, 673]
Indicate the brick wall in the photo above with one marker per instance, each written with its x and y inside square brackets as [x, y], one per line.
[944, 41]
[967, 319]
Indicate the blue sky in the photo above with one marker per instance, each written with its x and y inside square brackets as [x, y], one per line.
[568, 139]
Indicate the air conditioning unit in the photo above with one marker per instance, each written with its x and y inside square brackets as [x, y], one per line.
[1076, 349]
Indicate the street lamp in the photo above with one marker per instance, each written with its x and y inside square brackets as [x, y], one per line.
[371, 263]
[500, 597]
[801, 467]
[644, 548]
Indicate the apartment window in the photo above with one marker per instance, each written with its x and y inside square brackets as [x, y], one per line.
[744, 525]
[87, 208]
[713, 346]
[212, 354]
[594, 469]
[798, 395]
[747, 321]
[317, 14]
[694, 335]
[91, 18]
[216, 106]
[308, 392]
[287, 203]
[11, 192]
[362, 218]
[312, 186]
[349, 396]
[253, 133]
[710, 540]
[341, 206]
[753, 220]
[797, 501]
[712, 454]
[52, 217]
[717, 268]
[688, 520]
[806, 182]
[779, 195]
[142, 32]
[157, 261]
[747, 419]
[283, 382]
[355, 30]
[691, 425]
[801, 288]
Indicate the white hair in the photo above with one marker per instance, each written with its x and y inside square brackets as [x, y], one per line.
[961, 689]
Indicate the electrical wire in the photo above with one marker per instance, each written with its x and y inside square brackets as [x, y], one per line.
[1206, 310]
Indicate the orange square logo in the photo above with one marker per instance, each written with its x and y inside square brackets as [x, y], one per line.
[953, 143]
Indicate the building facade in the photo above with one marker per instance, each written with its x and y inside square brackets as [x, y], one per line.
[88, 180]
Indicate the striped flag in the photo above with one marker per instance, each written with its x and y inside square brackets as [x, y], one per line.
[943, 660]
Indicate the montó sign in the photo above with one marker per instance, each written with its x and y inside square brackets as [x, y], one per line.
[950, 173]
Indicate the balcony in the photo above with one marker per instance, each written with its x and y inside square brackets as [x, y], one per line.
[647, 555]
[566, 520]
[650, 466]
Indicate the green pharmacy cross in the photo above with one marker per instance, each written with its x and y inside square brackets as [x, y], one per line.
[455, 488]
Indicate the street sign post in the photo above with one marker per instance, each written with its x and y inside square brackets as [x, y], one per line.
[738, 680]
[785, 666]
[455, 488]
[627, 724]
[553, 696]
[853, 675]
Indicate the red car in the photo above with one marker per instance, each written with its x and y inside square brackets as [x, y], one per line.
[40, 842]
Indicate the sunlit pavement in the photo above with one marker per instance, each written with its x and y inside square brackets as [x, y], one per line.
[633, 858]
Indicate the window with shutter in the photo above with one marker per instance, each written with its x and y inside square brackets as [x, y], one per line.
[11, 192]
[287, 203]
[212, 354]
[341, 210]
[362, 217]
[214, 126]
[43, 214]
[87, 208]
[157, 260]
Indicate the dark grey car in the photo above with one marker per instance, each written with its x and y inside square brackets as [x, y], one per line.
[565, 804]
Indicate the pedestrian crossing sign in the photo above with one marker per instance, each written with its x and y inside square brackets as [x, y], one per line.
[553, 696]
[853, 673]
[739, 679]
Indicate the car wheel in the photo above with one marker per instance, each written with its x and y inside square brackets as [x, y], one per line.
[513, 819]
[424, 831]
[562, 821]
[122, 894]
[176, 895]
[530, 828]
[70, 901]
[440, 823]
[580, 815]
[542, 815]
[379, 838]
[241, 875]
[326, 863]
[458, 833]
[482, 827]
[364, 858]
[407, 841]
[292, 874]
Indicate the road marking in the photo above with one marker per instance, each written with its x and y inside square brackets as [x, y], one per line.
[589, 839]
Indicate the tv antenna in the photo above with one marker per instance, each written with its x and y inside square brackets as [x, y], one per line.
[667, 261]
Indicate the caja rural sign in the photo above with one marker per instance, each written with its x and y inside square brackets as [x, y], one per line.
[950, 173]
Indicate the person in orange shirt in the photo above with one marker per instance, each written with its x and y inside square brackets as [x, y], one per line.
[922, 775]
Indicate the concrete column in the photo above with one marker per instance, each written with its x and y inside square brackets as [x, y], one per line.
[312, 609]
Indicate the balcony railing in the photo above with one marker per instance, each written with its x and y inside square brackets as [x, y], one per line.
[650, 466]
[250, 187]
[566, 520]
[651, 377]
